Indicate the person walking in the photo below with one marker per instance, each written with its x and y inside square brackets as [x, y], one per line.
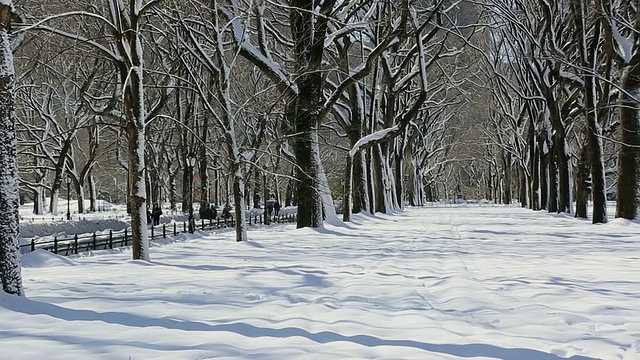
[157, 211]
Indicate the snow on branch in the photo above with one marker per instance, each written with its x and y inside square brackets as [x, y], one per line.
[141, 9]
[110, 54]
[620, 47]
[359, 74]
[376, 137]
[272, 69]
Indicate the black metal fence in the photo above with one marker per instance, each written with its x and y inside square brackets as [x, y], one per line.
[76, 244]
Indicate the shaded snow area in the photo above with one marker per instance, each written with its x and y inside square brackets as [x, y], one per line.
[432, 283]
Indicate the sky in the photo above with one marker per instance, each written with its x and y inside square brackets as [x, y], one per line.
[449, 282]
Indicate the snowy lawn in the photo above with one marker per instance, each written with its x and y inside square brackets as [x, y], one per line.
[431, 283]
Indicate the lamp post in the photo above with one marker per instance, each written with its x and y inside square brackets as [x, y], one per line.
[68, 179]
[191, 162]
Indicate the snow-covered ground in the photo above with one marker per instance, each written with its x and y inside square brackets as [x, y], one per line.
[431, 283]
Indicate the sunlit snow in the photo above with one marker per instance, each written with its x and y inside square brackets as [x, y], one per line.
[476, 282]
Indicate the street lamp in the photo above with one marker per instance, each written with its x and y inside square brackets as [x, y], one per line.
[191, 162]
[68, 179]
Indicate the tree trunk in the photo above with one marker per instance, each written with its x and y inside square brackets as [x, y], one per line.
[173, 190]
[135, 117]
[38, 200]
[582, 183]
[399, 180]
[543, 174]
[154, 182]
[186, 198]
[308, 31]
[238, 202]
[564, 175]
[371, 181]
[289, 191]
[534, 202]
[347, 191]
[552, 183]
[598, 181]
[203, 163]
[80, 196]
[257, 189]
[592, 155]
[10, 273]
[534, 181]
[524, 187]
[360, 184]
[628, 195]
[377, 168]
[93, 195]
[508, 183]
[265, 196]
[308, 198]
[358, 190]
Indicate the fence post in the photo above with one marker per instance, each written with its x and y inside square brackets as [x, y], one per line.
[164, 231]
[201, 224]
[152, 231]
[75, 243]
[184, 227]
[175, 230]
[95, 242]
[33, 244]
[218, 224]
[110, 239]
[249, 220]
[55, 244]
[125, 237]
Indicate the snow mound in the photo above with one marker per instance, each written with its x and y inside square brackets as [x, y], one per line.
[624, 222]
[42, 258]
[29, 230]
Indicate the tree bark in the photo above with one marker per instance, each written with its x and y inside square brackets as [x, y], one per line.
[543, 174]
[135, 116]
[308, 31]
[508, 183]
[523, 187]
[552, 182]
[628, 196]
[582, 181]
[10, 273]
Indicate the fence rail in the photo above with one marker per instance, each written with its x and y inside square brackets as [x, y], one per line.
[76, 244]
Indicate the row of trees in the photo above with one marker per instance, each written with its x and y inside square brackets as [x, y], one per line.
[564, 80]
[197, 86]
